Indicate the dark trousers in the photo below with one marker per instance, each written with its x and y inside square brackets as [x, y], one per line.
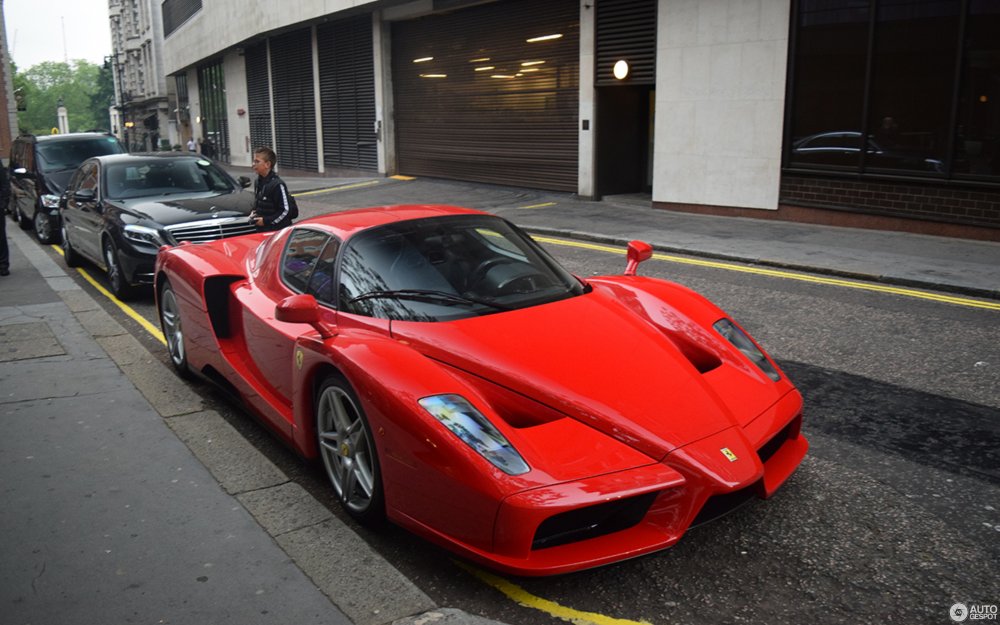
[4, 251]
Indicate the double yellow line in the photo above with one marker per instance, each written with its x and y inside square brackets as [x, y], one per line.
[787, 275]
[125, 308]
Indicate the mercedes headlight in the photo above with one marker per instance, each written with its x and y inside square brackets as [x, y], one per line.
[50, 201]
[143, 238]
[475, 430]
[742, 342]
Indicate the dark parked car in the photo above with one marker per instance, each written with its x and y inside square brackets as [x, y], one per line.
[844, 148]
[40, 167]
[119, 210]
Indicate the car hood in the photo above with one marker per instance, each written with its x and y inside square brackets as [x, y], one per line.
[56, 181]
[167, 211]
[591, 358]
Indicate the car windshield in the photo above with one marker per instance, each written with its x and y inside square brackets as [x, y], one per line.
[164, 176]
[448, 268]
[69, 153]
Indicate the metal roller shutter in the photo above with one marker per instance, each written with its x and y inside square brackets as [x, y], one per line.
[347, 93]
[258, 96]
[294, 105]
[475, 100]
[626, 29]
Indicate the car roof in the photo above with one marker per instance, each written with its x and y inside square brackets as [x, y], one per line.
[344, 224]
[72, 136]
[145, 156]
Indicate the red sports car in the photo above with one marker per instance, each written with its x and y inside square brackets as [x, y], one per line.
[454, 378]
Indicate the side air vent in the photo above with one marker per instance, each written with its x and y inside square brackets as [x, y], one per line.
[217, 302]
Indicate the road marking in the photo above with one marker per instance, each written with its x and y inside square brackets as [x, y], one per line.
[787, 275]
[402, 177]
[344, 187]
[128, 310]
[537, 205]
[528, 600]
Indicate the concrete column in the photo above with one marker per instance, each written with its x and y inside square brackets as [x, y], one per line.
[318, 101]
[384, 128]
[62, 119]
[586, 183]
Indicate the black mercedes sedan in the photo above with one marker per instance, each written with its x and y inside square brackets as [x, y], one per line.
[118, 210]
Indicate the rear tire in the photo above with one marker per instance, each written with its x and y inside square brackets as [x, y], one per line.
[348, 451]
[70, 255]
[22, 220]
[173, 329]
[116, 274]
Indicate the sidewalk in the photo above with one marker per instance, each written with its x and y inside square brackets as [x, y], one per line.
[124, 500]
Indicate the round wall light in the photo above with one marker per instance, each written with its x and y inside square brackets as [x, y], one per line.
[621, 69]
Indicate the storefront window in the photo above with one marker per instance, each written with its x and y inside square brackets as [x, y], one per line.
[913, 79]
[875, 89]
[214, 122]
[829, 83]
[977, 150]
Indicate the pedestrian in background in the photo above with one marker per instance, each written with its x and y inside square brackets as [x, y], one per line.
[4, 201]
[275, 207]
[192, 145]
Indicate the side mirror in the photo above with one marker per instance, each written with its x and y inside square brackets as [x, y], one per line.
[85, 195]
[638, 251]
[302, 309]
[244, 181]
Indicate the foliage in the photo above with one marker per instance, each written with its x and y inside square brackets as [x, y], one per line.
[84, 92]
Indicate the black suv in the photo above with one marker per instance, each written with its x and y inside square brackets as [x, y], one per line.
[40, 168]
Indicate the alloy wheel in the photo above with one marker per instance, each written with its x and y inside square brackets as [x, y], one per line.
[347, 450]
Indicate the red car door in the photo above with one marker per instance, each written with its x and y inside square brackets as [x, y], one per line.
[306, 266]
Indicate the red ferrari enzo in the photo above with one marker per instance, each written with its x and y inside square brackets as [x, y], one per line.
[454, 378]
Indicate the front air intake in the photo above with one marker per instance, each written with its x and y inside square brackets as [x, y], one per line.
[592, 521]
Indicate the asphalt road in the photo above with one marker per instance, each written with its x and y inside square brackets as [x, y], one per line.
[893, 517]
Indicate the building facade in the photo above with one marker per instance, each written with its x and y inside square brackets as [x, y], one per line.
[142, 117]
[8, 103]
[857, 112]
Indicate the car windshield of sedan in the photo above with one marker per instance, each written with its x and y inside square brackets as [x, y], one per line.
[448, 268]
[164, 176]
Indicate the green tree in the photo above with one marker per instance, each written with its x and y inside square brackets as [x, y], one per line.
[42, 86]
[104, 96]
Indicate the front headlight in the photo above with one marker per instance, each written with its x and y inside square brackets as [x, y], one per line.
[467, 423]
[143, 238]
[50, 201]
[742, 342]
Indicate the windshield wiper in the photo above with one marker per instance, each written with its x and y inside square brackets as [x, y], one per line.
[434, 297]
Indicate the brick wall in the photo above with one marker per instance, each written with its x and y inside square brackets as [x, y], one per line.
[972, 206]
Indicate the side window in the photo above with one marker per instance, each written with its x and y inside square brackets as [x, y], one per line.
[321, 282]
[88, 177]
[301, 255]
[15, 154]
[28, 158]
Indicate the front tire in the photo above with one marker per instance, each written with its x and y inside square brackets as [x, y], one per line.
[347, 448]
[43, 228]
[116, 274]
[173, 329]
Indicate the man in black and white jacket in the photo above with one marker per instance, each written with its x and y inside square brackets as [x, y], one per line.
[275, 207]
